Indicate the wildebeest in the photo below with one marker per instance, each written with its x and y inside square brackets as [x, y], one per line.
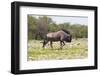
[62, 35]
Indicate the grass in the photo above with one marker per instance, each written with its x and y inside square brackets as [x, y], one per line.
[77, 49]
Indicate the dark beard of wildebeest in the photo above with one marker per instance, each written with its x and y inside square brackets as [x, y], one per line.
[62, 35]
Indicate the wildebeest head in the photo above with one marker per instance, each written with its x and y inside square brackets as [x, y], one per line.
[68, 38]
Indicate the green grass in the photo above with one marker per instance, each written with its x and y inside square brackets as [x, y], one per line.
[77, 49]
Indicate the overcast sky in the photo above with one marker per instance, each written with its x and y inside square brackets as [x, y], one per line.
[71, 19]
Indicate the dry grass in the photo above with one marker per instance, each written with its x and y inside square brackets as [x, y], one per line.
[77, 49]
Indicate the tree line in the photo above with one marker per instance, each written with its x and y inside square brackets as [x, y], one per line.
[39, 27]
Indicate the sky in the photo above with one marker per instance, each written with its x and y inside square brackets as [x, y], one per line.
[72, 20]
[83, 20]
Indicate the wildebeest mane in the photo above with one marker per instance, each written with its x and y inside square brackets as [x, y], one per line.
[66, 31]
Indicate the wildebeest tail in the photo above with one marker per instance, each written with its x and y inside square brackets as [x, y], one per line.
[44, 39]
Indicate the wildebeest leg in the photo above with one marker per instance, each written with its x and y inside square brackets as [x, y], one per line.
[60, 44]
[44, 43]
[63, 43]
[51, 44]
